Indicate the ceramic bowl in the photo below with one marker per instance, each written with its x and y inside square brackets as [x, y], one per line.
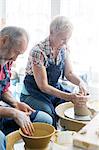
[41, 138]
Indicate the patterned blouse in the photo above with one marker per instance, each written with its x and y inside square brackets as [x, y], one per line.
[40, 54]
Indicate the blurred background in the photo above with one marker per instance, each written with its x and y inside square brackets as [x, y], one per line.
[35, 17]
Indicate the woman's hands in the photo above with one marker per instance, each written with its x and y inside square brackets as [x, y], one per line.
[78, 99]
[82, 88]
[23, 120]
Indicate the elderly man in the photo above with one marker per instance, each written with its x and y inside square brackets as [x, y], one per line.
[14, 41]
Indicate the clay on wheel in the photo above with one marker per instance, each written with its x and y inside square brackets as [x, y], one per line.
[82, 111]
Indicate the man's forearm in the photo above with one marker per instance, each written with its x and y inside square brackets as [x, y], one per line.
[7, 112]
[8, 98]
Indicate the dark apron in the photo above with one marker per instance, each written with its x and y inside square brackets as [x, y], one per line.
[3, 84]
[5, 81]
[54, 71]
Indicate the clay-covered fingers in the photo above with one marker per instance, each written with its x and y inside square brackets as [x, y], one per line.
[23, 120]
[29, 109]
[24, 107]
[76, 97]
[28, 113]
[28, 129]
[83, 92]
[80, 104]
[31, 128]
[25, 131]
[82, 88]
[81, 100]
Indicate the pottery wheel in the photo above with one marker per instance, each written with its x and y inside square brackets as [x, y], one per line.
[70, 114]
[47, 148]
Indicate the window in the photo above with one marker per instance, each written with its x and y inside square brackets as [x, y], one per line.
[84, 43]
[34, 16]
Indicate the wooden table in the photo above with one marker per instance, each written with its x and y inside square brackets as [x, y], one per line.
[88, 136]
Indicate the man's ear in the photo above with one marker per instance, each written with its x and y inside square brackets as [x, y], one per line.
[4, 41]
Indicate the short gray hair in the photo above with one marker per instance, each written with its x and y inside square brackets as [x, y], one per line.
[15, 34]
[59, 24]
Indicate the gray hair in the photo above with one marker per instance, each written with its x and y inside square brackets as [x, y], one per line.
[59, 24]
[15, 35]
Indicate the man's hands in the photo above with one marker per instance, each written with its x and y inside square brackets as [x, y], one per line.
[22, 117]
[23, 107]
[23, 120]
[20, 113]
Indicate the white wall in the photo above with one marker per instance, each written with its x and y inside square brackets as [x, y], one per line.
[84, 43]
[2, 13]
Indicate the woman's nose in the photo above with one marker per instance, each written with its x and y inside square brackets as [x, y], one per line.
[64, 42]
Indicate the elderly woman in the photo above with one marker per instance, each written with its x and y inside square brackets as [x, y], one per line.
[46, 63]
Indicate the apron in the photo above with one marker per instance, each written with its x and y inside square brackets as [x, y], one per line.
[3, 84]
[54, 71]
[5, 81]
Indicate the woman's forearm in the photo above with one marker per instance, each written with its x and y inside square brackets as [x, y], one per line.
[56, 92]
[73, 79]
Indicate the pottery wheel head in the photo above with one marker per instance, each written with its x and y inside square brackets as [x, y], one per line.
[70, 114]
